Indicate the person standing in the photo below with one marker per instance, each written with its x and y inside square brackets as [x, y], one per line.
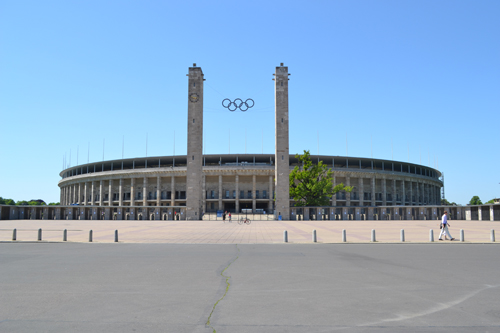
[229, 217]
[224, 217]
[444, 227]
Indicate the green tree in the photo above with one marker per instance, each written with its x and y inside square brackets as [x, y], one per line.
[22, 203]
[475, 201]
[445, 202]
[492, 201]
[9, 202]
[54, 204]
[311, 184]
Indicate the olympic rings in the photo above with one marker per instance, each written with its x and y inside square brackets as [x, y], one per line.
[238, 104]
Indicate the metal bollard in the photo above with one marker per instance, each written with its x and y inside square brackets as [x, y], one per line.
[314, 236]
[431, 235]
[40, 234]
[373, 236]
[285, 236]
[344, 238]
[402, 236]
[492, 235]
[90, 236]
[14, 234]
[65, 235]
[461, 235]
[116, 235]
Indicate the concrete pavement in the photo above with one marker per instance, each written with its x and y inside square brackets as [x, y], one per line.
[265, 288]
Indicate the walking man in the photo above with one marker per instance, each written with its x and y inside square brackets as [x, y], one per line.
[444, 227]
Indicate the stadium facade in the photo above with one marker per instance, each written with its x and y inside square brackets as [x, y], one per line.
[235, 182]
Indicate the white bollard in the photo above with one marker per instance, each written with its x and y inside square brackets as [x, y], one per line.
[65, 235]
[14, 234]
[431, 235]
[461, 235]
[285, 236]
[314, 236]
[344, 238]
[402, 236]
[116, 235]
[40, 234]
[373, 236]
[90, 236]
[492, 235]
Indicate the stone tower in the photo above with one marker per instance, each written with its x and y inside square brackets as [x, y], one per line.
[281, 169]
[194, 144]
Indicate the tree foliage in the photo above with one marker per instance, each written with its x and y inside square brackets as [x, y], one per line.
[445, 202]
[492, 201]
[311, 184]
[32, 202]
[5, 201]
[475, 201]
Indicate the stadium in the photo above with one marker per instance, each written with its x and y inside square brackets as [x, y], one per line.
[195, 185]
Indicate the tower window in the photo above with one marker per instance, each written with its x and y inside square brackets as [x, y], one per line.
[282, 120]
[192, 157]
[194, 84]
[282, 83]
[193, 121]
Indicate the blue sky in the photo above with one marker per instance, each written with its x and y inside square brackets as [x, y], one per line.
[402, 80]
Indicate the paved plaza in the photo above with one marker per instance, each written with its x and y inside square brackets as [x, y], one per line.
[258, 232]
[232, 288]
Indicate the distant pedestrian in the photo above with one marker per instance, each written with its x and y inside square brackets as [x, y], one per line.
[224, 217]
[444, 227]
[230, 217]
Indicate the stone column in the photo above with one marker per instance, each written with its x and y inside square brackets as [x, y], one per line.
[403, 192]
[101, 199]
[254, 201]
[394, 192]
[158, 191]
[172, 191]
[220, 193]
[384, 191]
[92, 198]
[110, 193]
[68, 194]
[417, 195]
[145, 192]
[132, 193]
[282, 161]
[492, 214]
[204, 193]
[348, 195]
[431, 194]
[237, 184]
[334, 197]
[79, 201]
[373, 190]
[120, 192]
[357, 213]
[271, 197]
[194, 168]
[85, 203]
[361, 191]
[410, 192]
[344, 213]
[370, 213]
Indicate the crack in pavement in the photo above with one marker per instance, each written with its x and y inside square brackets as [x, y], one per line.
[225, 293]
